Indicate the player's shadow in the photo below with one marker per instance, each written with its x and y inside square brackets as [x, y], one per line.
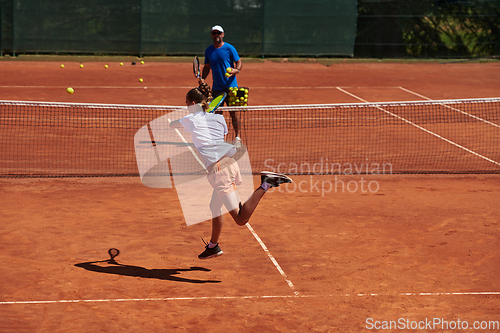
[114, 267]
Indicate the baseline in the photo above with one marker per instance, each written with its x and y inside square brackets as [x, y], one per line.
[164, 299]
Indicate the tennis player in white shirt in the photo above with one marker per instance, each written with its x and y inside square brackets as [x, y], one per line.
[208, 131]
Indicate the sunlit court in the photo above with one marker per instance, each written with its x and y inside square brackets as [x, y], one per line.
[392, 213]
[249, 166]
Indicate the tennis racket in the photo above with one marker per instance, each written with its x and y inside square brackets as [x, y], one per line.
[196, 67]
[216, 102]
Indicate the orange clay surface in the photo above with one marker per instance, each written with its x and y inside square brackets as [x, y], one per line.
[355, 252]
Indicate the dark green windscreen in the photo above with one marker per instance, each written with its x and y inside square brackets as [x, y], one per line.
[255, 27]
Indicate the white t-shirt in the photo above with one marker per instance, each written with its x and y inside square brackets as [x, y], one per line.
[207, 132]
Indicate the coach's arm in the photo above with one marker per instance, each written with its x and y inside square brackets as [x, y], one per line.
[205, 71]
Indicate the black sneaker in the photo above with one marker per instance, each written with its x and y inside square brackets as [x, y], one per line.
[274, 179]
[211, 252]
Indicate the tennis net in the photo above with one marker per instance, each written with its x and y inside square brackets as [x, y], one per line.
[39, 139]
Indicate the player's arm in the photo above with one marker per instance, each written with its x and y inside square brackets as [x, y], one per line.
[175, 124]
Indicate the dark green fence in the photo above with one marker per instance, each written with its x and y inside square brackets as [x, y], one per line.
[156, 27]
[364, 28]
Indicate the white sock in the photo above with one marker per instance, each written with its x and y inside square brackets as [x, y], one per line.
[211, 245]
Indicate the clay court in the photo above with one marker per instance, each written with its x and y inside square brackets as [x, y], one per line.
[420, 248]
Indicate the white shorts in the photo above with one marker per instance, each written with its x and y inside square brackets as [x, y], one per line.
[224, 177]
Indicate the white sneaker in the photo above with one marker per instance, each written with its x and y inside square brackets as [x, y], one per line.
[237, 142]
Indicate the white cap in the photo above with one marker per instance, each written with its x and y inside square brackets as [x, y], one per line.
[218, 28]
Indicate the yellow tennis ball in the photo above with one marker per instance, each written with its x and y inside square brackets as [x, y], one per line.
[140, 80]
[62, 65]
[142, 62]
[70, 90]
[105, 66]
[228, 75]
[121, 63]
[229, 69]
[81, 65]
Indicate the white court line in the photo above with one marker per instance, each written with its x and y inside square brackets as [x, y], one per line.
[264, 247]
[189, 87]
[451, 108]
[246, 108]
[98, 87]
[201, 298]
[322, 87]
[278, 267]
[423, 129]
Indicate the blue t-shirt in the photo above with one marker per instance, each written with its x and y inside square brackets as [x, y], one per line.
[220, 59]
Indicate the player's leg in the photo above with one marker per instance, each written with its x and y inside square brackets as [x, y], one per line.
[225, 192]
[217, 223]
[212, 249]
[242, 214]
[224, 182]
